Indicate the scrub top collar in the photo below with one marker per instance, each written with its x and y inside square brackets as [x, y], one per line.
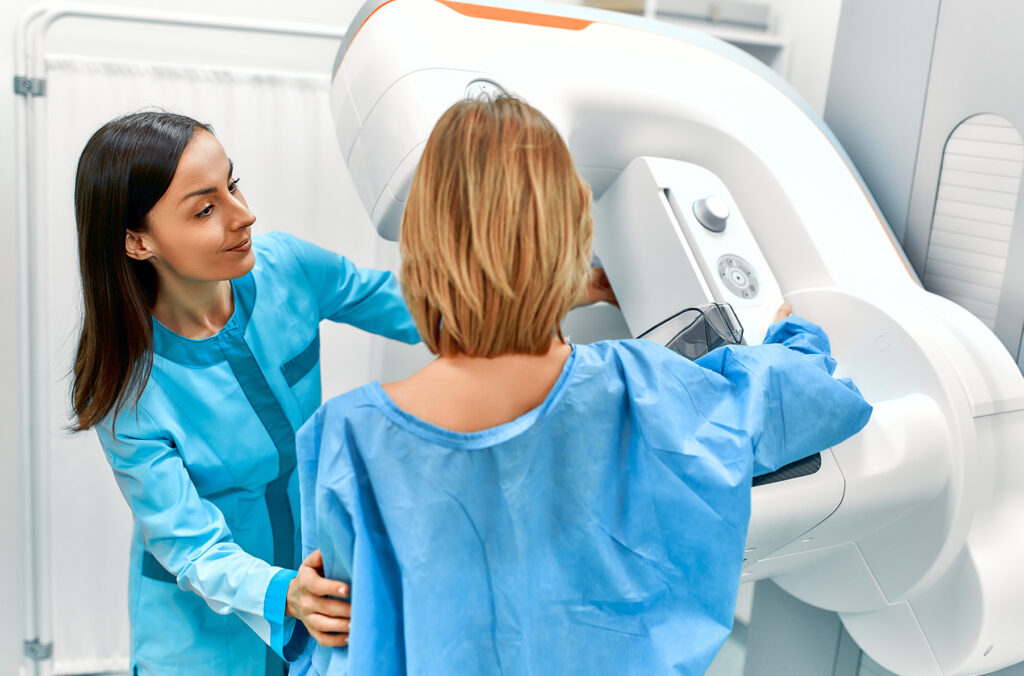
[209, 351]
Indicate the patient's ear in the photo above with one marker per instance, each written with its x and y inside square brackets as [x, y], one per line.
[137, 246]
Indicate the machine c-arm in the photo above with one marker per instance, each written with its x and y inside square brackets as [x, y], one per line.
[712, 181]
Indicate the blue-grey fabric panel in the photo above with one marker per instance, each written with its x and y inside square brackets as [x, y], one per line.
[152, 569]
[268, 409]
[302, 363]
[275, 665]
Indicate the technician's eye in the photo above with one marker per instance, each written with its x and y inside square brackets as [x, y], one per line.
[205, 212]
[232, 187]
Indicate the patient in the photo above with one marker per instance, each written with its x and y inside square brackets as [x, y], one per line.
[523, 505]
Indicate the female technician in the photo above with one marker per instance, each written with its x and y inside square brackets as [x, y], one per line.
[198, 360]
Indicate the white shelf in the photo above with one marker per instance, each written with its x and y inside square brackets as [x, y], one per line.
[732, 34]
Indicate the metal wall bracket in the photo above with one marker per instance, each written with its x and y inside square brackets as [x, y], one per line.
[29, 86]
[34, 650]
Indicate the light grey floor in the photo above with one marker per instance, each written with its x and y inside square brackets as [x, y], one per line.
[729, 661]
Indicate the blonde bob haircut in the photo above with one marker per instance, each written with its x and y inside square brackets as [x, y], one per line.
[496, 233]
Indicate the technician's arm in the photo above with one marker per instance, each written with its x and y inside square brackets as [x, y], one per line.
[784, 396]
[366, 298]
[188, 535]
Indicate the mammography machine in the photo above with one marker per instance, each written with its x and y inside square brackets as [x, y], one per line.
[713, 182]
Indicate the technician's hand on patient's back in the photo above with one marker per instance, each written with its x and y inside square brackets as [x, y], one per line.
[311, 601]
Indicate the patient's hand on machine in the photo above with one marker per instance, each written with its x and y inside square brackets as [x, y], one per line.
[785, 310]
[598, 289]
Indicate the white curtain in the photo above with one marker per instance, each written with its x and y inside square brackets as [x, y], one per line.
[278, 130]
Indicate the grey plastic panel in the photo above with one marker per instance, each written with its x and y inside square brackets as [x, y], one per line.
[976, 63]
[979, 186]
[1020, 353]
[877, 91]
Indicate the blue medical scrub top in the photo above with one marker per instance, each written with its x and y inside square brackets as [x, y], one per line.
[600, 533]
[206, 461]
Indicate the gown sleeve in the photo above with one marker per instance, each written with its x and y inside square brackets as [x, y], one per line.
[188, 535]
[365, 298]
[782, 394]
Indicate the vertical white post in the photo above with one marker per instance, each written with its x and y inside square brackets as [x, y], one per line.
[31, 389]
[24, 370]
[39, 345]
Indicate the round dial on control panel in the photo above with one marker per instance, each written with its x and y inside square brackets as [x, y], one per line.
[712, 212]
[738, 275]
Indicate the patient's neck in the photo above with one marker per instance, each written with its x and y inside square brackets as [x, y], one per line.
[468, 394]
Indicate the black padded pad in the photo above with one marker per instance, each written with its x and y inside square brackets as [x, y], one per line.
[793, 470]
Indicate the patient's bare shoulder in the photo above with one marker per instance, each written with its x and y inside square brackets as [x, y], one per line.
[469, 394]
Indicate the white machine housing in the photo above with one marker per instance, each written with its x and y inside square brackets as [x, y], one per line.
[908, 530]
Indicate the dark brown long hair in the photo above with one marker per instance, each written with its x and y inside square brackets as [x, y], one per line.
[124, 170]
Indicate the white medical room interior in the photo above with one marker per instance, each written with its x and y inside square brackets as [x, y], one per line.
[872, 151]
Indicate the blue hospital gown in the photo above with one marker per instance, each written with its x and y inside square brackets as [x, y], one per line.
[600, 533]
[206, 461]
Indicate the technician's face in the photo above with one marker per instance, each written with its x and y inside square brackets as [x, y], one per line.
[200, 229]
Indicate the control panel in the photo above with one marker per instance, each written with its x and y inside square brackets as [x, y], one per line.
[671, 236]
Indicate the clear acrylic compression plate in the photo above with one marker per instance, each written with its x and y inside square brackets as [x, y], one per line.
[695, 331]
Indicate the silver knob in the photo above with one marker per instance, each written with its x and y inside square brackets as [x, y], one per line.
[712, 212]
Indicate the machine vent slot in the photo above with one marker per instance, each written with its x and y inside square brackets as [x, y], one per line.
[974, 214]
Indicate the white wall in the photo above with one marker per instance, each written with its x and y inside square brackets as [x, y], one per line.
[808, 30]
[809, 27]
